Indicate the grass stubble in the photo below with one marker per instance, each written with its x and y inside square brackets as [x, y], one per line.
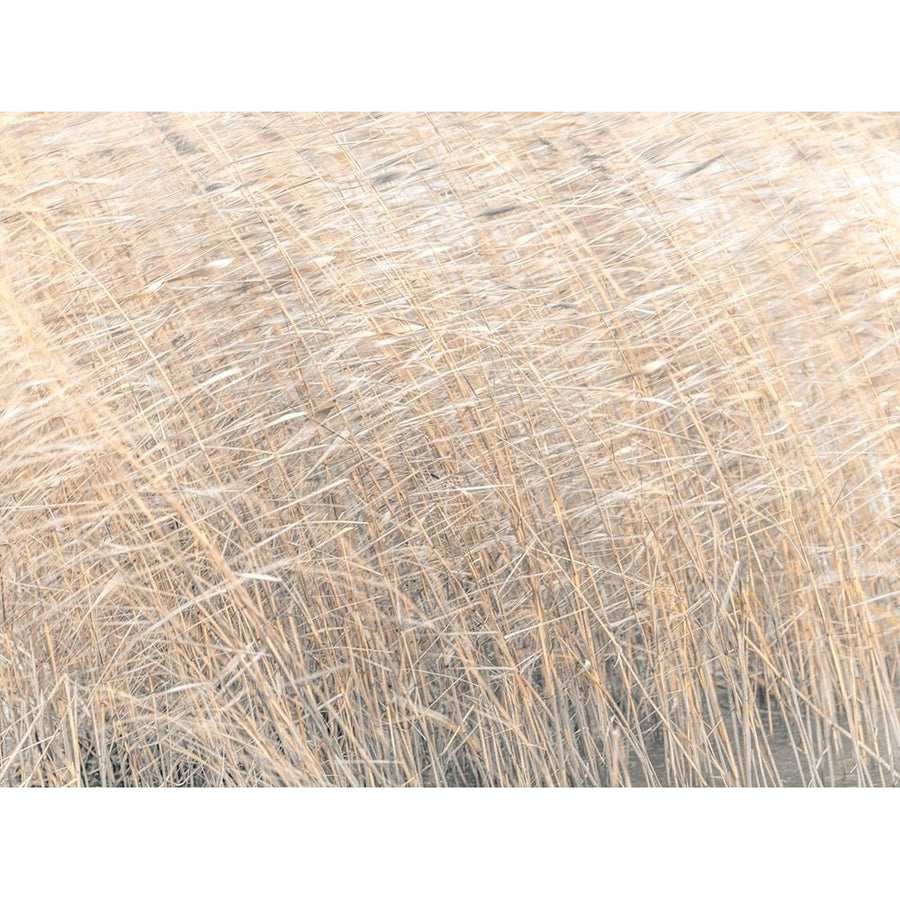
[496, 450]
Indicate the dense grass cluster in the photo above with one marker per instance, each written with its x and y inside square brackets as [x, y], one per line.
[449, 450]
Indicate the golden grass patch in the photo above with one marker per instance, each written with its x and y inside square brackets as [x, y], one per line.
[449, 449]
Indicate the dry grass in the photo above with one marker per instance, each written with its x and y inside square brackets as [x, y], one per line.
[449, 450]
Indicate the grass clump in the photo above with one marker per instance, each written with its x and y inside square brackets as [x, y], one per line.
[449, 450]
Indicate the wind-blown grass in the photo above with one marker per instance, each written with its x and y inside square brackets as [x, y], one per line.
[449, 450]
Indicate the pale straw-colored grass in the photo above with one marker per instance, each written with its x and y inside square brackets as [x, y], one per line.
[449, 449]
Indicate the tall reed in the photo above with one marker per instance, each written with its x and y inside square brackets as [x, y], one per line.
[449, 450]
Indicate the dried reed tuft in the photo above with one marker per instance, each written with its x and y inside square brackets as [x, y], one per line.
[449, 450]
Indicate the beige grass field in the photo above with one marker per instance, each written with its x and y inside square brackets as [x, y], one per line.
[484, 450]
